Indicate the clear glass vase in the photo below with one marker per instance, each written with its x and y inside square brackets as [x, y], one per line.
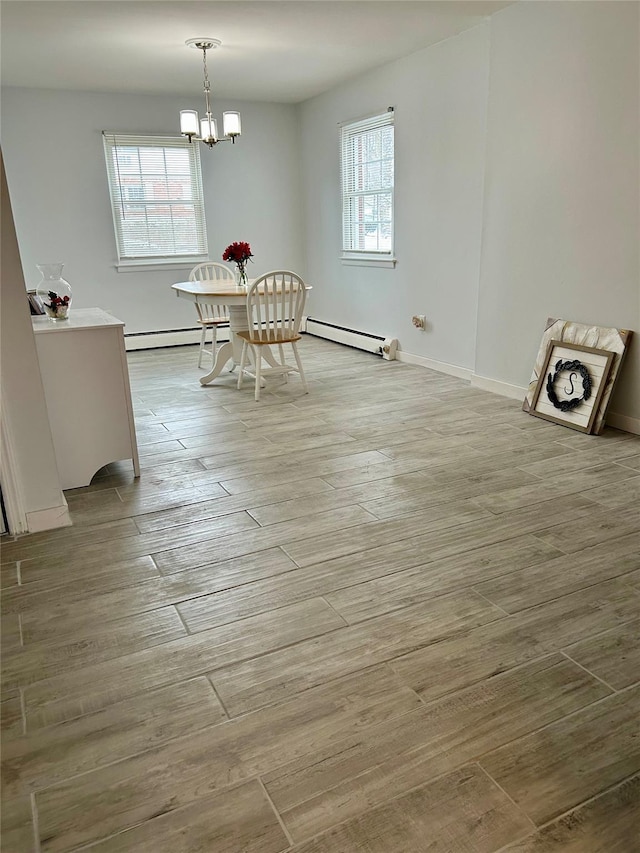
[241, 277]
[54, 291]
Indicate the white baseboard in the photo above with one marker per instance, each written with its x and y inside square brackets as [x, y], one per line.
[48, 519]
[505, 389]
[623, 422]
[440, 366]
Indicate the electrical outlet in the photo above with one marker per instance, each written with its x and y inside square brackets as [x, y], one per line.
[419, 321]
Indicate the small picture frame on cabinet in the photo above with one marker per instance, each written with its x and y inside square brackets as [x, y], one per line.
[36, 308]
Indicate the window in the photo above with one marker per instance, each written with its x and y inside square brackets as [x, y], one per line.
[156, 197]
[366, 167]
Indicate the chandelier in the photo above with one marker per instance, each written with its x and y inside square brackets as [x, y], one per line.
[191, 123]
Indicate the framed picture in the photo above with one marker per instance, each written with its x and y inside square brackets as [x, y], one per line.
[571, 334]
[571, 385]
[35, 303]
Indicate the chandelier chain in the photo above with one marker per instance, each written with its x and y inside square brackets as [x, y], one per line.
[207, 85]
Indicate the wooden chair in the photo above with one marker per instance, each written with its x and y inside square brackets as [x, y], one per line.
[211, 316]
[275, 305]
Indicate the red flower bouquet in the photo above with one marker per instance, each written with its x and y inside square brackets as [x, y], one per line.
[239, 253]
[57, 306]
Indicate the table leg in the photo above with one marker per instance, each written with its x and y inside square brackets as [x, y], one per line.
[232, 350]
[224, 354]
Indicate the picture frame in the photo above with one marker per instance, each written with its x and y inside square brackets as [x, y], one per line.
[36, 308]
[579, 334]
[585, 371]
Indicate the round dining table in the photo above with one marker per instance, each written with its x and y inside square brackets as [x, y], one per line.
[234, 296]
[220, 293]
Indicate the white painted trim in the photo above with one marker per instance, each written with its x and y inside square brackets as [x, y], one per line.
[431, 364]
[623, 422]
[181, 337]
[496, 386]
[11, 491]
[151, 266]
[49, 519]
[368, 261]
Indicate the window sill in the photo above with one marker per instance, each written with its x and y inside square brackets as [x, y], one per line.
[368, 261]
[154, 266]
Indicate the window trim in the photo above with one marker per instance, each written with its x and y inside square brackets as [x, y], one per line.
[143, 263]
[362, 259]
[154, 266]
[365, 257]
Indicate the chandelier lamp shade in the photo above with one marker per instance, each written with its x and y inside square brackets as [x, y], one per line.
[205, 129]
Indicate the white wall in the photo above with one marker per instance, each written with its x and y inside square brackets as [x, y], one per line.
[517, 186]
[60, 195]
[561, 227]
[439, 95]
[30, 484]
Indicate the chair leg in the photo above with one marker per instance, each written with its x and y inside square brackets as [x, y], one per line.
[258, 359]
[300, 370]
[234, 363]
[243, 361]
[214, 341]
[285, 376]
[203, 341]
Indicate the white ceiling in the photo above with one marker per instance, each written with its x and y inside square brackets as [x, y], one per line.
[273, 50]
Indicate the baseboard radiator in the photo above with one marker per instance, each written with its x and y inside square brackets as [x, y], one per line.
[169, 338]
[378, 344]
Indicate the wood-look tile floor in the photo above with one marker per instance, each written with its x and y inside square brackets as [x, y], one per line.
[394, 615]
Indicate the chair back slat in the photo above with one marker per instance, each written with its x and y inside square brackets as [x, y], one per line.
[275, 303]
[212, 313]
[212, 271]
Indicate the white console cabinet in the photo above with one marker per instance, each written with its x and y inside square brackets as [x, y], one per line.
[86, 383]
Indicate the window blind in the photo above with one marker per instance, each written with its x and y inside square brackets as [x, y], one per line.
[367, 167]
[156, 197]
